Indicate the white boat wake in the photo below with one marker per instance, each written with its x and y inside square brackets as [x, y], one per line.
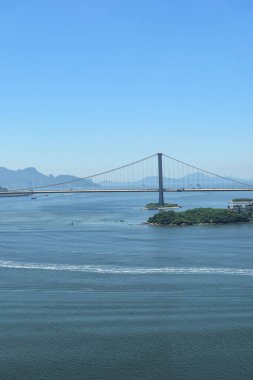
[106, 269]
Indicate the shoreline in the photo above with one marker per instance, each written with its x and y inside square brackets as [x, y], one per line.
[196, 224]
[161, 208]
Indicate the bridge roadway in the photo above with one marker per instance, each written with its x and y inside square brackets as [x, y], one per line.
[15, 193]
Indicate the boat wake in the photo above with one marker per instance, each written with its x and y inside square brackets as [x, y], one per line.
[106, 269]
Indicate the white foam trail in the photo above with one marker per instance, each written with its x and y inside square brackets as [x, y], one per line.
[125, 270]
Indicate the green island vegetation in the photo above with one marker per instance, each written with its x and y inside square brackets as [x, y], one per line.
[238, 200]
[156, 206]
[199, 216]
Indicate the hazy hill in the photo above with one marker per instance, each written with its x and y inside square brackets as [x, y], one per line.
[30, 177]
[152, 181]
[193, 180]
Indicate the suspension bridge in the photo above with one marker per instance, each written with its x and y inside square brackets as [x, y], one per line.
[156, 173]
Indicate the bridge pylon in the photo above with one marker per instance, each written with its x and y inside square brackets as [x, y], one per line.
[160, 178]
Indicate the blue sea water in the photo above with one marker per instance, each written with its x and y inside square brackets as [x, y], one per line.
[89, 291]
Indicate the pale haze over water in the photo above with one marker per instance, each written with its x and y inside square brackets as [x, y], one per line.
[112, 298]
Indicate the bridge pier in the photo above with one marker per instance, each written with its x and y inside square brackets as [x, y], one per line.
[160, 177]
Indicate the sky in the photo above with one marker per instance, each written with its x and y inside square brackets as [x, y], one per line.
[88, 85]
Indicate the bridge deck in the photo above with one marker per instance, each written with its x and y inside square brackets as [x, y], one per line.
[23, 193]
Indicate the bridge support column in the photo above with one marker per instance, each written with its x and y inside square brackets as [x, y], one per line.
[160, 177]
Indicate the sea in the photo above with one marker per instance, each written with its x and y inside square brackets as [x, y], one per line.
[89, 291]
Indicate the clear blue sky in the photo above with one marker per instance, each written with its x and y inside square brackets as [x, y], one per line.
[87, 85]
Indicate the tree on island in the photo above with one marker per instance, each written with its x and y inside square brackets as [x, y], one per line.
[199, 216]
[156, 206]
[238, 200]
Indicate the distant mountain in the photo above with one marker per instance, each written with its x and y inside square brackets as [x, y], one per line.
[152, 181]
[3, 189]
[194, 180]
[31, 177]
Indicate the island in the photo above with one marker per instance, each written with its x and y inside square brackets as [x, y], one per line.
[200, 216]
[157, 206]
[242, 200]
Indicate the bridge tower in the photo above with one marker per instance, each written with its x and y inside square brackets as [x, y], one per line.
[160, 178]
